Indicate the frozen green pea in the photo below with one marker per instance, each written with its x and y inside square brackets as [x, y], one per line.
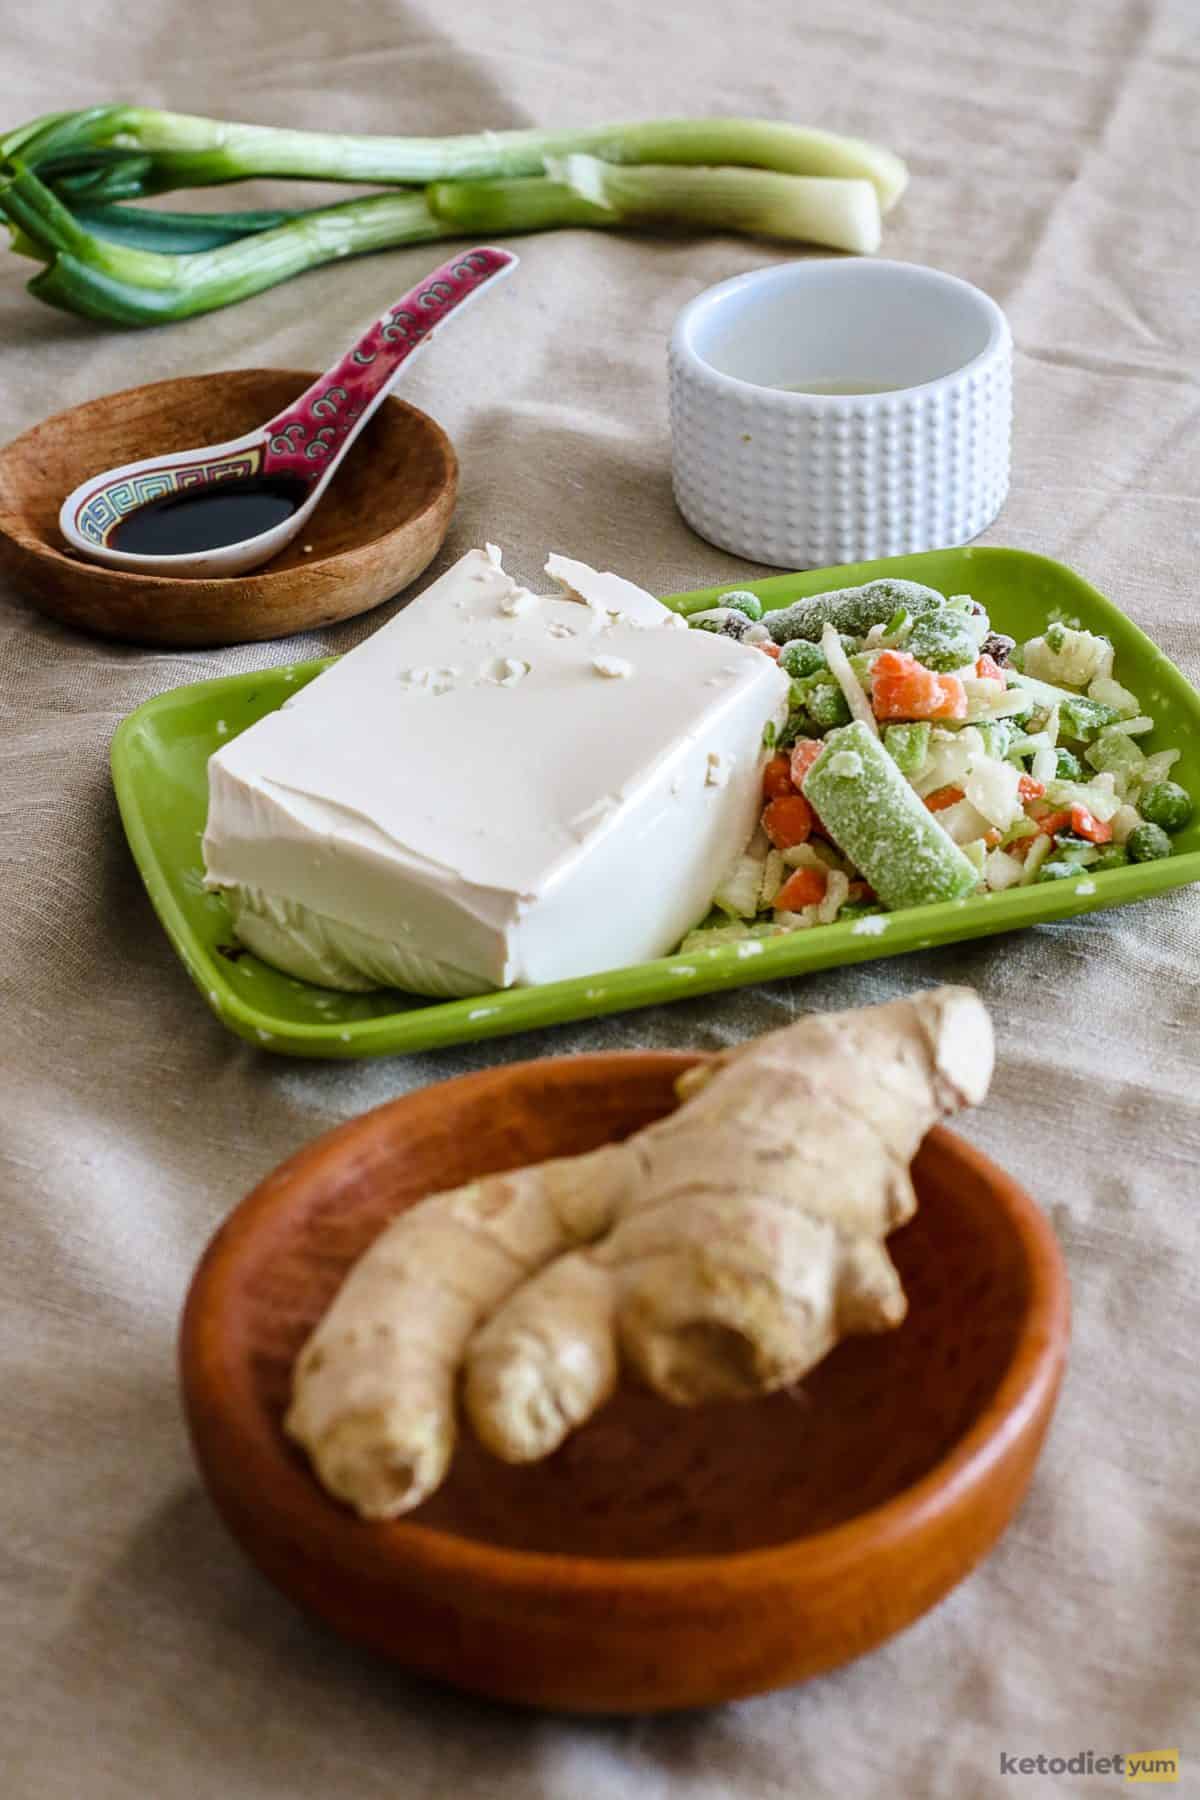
[1147, 843]
[1166, 804]
[741, 600]
[800, 658]
[1069, 767]
[875, 818]
[827, 706]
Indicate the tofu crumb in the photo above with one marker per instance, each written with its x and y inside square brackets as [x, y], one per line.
[427, 681]
[718, 769]
[615, 667]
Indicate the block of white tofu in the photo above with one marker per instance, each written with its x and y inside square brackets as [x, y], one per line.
[497, 788]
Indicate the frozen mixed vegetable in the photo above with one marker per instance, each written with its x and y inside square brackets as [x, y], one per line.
[928, 757]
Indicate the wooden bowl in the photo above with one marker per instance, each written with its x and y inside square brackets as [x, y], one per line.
[382, 521]
[663, 1558]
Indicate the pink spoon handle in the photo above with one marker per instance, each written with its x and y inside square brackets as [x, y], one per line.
[309, 436]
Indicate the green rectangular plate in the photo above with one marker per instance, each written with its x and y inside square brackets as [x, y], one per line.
[160, 753]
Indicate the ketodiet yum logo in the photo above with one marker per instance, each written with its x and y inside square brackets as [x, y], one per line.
[1142, 1765]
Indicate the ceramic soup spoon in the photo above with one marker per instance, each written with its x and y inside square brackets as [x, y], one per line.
[230, 507]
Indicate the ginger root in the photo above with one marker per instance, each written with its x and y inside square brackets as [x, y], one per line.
[719, 1253]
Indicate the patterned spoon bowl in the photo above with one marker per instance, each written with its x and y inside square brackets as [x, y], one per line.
[299, 448]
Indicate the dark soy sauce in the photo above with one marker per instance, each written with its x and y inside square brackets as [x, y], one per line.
[210, 517]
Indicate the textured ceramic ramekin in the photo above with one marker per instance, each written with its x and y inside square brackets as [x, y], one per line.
[803, 479]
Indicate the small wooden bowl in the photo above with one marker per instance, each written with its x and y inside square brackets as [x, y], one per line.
[663, 1558]
[382, 521]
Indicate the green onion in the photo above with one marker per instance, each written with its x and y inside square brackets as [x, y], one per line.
[64, 176]
[189, 151]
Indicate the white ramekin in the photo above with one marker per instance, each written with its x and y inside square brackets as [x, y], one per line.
[800, 480]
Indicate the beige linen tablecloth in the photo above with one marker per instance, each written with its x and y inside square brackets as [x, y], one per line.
[1054, 160]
